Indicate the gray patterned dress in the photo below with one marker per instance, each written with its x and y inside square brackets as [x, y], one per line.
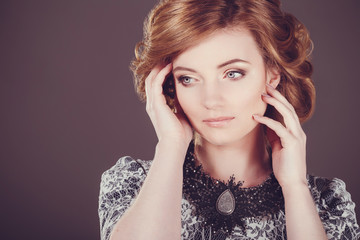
[121, 184]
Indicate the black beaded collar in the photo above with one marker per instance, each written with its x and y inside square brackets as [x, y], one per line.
[225, 205]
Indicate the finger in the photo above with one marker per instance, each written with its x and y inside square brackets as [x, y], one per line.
[155, 98]
[276, 94]
[276, 145]
[276, 126]
[152, 74]
[158, 81]
[271, 135]
[149, 79]
[289, 119]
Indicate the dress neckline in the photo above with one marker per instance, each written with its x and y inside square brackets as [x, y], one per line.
[223, 205]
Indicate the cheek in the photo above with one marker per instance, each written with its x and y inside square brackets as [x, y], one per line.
[258, 105]
[186, 100]
[248, 99]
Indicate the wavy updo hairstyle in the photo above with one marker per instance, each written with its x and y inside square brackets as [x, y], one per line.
[173, 26]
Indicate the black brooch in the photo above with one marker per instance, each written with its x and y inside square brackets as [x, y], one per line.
[225, 205]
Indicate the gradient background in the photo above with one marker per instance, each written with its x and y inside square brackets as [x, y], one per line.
[69, 111]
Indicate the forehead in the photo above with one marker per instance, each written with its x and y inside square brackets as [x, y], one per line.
[220, 47]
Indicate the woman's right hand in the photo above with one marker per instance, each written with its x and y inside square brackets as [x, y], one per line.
[169, 126]
[158, 202]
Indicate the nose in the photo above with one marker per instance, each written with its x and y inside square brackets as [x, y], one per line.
[212, 96]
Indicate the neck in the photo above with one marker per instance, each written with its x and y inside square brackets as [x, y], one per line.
[246, 159]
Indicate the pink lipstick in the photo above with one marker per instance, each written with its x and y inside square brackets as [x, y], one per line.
[218, 122]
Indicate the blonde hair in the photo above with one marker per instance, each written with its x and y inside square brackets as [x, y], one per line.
[173, 26]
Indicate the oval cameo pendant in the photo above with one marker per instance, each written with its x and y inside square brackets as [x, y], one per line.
[225, 203]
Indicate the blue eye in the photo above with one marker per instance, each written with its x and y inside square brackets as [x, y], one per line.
[234, 74]
[185, 80]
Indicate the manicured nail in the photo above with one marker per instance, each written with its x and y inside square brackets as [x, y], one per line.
[265, 95]
[256, 116]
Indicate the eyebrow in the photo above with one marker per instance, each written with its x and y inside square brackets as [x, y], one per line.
[232, 61]
[219, 66]
[184, 68]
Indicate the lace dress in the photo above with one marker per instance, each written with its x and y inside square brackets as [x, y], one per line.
[121, 184]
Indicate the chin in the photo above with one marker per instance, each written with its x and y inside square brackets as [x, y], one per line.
[226, 137]
[220, 139]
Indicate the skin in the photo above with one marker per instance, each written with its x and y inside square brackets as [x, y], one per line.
[239, 91]
[216, 81]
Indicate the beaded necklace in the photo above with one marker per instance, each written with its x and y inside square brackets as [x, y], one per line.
[226, 205]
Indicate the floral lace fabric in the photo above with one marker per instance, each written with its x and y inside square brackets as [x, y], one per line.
[241, 203]
[121, 184]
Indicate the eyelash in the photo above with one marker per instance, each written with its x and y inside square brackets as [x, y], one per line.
[181, 79]
[241, 72]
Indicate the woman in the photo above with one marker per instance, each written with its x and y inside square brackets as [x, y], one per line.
[227, 84]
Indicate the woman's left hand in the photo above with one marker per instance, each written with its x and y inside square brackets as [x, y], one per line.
[288, 142]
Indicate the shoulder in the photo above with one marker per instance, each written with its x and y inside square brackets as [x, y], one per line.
[118, 188]
[127, 173]
[128, 165]
[323, 186]
[330, 192]
[335, 207]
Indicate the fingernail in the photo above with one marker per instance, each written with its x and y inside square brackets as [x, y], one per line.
[265, 95]
[255, 116]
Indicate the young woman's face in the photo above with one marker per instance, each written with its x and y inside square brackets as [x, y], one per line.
[219, 83]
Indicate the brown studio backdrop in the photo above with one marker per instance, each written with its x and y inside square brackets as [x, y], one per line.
[69, 111]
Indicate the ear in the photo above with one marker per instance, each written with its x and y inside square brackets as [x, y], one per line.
[273, 77]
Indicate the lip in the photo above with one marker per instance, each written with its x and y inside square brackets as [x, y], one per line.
[218, 122]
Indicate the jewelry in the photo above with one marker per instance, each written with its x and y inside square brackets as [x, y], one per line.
[223, 206]
[225, 203]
